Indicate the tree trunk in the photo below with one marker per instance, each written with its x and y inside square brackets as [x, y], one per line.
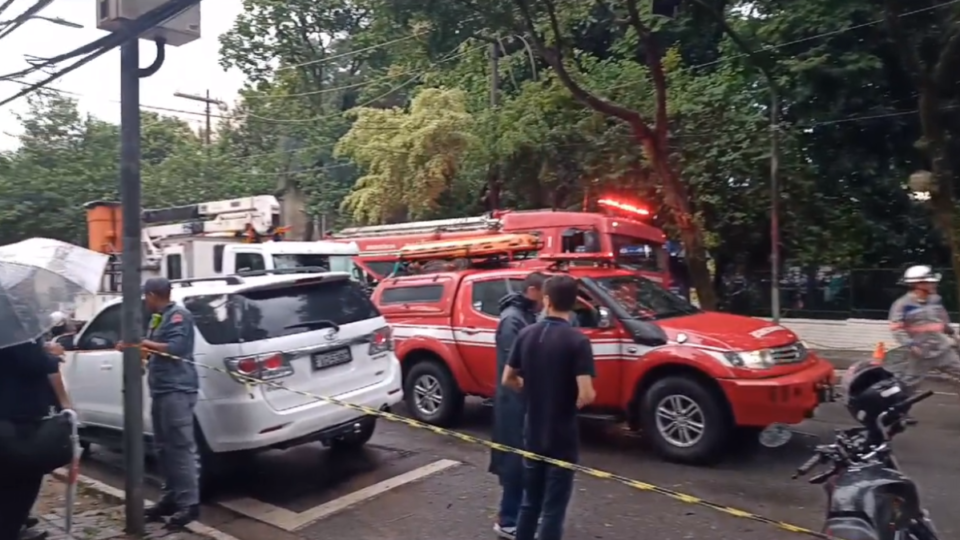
[677, 198]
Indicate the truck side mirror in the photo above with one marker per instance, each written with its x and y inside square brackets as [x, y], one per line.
[605, 320]
[66, 341]
[645, 333]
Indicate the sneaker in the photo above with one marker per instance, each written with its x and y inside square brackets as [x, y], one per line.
[509, 533]
[159, 511]
[183, 517]
[32, 534]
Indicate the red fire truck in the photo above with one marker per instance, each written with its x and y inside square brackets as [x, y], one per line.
[619, 236]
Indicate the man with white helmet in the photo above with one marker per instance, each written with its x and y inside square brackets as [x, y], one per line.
[919, 321]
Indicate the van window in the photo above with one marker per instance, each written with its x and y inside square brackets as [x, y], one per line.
[301, 260]
[218, 258]
[283, 311]
[174, 266]
[418, 293]
[250, 262]
[212, 317]
[486, 295]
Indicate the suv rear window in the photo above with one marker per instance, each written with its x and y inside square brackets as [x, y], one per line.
[280, 311]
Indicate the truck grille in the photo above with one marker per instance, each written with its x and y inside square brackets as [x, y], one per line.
[789, 354]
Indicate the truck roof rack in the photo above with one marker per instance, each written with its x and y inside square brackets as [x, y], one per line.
[188, 282]
[282, 271]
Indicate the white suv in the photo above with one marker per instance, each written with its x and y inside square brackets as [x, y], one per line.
[318, 333]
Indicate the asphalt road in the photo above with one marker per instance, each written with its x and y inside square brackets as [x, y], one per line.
[314, 493]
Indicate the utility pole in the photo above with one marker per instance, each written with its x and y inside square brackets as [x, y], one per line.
[131, 328]
[493, 174]
[207, 111]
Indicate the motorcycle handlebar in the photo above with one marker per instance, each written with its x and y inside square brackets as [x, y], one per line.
[811, 463]
[913, 400]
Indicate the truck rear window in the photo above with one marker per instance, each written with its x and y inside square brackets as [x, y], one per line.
[281, 311]
[417, 293]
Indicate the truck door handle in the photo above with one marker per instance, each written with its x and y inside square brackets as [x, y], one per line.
[470, 331]
[631, 350]
[106, 367]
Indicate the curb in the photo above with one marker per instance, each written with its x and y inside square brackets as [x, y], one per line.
[116, 496]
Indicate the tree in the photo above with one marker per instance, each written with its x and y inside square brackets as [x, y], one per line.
[410, 158]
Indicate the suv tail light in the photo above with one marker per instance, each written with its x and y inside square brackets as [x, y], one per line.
[381, 341]
[265, 367]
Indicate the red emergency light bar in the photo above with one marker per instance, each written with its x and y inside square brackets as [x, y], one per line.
[624, 207]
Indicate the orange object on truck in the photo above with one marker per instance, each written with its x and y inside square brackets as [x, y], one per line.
[689, 380]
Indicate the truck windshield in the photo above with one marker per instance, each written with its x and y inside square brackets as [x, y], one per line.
[333, 263]
[644, 299]
[637, 253]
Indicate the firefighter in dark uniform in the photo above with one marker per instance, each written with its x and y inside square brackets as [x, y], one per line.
[172, 378]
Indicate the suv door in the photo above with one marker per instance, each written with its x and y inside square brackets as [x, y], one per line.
[609, 344]
[475, 325]
[94, 374]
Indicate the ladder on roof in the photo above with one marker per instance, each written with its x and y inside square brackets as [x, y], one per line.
[482, 223]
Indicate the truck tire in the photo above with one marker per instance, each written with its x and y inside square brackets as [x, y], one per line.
[432, 395]
[685, 421]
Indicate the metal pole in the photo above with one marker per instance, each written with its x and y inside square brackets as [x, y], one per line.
[207, 136]
[131, 327]
[774, 205]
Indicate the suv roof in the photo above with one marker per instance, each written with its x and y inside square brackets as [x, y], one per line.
[185, 288]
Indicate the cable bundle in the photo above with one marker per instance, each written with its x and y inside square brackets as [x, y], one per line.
[96, 48]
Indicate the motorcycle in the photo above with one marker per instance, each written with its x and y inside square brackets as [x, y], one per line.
[868, 497]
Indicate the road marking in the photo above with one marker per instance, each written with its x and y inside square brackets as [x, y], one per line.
[292, 521]
[839, 373]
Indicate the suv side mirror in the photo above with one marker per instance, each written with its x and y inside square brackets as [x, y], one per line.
[645, 333]
[66, 341]
[605, 320]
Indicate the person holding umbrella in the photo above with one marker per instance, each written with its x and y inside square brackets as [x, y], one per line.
[37, 277]
[30, 386]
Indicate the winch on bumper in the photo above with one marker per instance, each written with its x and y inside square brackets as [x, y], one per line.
[787, 399]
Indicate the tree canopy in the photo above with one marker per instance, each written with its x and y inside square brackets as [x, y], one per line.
[367, 111]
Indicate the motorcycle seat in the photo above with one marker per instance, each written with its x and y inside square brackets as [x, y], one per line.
[850, 528]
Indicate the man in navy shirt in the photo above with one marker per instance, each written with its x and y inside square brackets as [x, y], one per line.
[551, 364]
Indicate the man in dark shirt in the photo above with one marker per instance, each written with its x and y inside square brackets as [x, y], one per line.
[551, 363]
[30, 385]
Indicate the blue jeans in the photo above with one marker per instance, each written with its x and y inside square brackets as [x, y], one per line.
[510, 500]
[547, 491]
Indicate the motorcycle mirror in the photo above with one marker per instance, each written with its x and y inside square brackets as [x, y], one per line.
[775, 435]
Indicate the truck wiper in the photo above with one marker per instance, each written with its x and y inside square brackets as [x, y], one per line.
[316, 324]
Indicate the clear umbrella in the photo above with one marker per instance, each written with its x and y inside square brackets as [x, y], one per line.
[41, 276]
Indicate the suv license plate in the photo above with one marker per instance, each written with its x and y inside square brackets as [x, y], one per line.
[331, 358]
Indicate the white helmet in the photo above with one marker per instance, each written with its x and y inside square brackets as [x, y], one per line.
[920, 274]
[58, 318]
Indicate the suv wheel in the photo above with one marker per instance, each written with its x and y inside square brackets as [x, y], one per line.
[356, 440]
[432, 394]
[685, 421]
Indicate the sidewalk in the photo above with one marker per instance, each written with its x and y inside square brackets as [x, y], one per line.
[94, 517]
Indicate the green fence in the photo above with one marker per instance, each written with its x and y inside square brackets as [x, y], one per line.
[841, 294]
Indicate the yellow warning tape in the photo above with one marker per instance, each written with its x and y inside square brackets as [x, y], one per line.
[250, 382]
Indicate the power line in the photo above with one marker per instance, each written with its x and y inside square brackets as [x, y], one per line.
[19, 20]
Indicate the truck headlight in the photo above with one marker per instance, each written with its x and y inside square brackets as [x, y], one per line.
[761, 359]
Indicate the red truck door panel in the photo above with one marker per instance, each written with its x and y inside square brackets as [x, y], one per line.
[608, 352]
[475, 324]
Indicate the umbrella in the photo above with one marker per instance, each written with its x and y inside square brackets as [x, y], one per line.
[38, 277]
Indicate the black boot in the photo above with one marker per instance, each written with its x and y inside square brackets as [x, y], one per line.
[31, 522]
[183, 517]
[910, 421]
[157, 512]
[32, 534]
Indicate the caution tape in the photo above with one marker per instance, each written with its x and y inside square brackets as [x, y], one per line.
[251, 382]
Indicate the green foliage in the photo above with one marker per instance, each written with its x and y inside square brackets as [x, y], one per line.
[411, 158]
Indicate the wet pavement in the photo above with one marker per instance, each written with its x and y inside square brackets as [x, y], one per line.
[395, 488]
